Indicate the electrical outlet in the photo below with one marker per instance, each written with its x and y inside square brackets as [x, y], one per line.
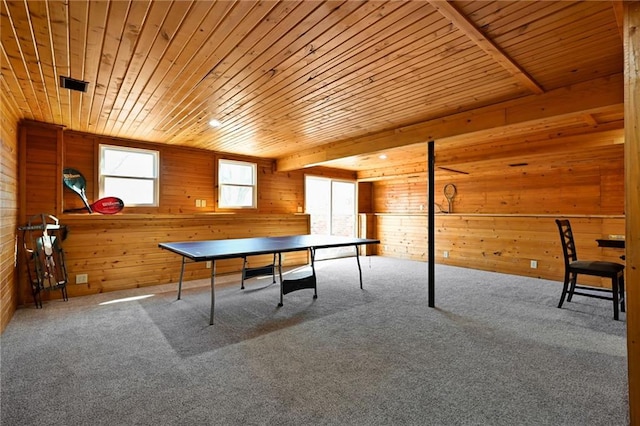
[445, 254]
[534, 264]
[198, 203]
[203, 203]
[82, 278]
[208, 264]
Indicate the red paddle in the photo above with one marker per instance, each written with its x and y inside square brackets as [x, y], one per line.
[106, 205]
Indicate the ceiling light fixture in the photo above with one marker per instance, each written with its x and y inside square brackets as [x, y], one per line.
[382, 156]
[215, 123]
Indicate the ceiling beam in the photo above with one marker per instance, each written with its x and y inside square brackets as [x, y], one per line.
[463, 23]
[618, 11]
[495, 154]
[514, 117]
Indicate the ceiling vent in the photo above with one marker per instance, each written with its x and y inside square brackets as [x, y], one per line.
[73, 84]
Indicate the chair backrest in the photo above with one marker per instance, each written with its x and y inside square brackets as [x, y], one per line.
[568, 245]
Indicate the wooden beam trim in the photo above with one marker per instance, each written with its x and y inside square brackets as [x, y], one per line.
[463, 23]
[574, 101]
[632, 200]
[461, 158]
[618, 11]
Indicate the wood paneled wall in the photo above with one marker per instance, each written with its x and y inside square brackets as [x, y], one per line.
[365, 197]
[121, 251]
[186, 175]
[587, 183]
[8, 209]
[500, 243]
[503, 219]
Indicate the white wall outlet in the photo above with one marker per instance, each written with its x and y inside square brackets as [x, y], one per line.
[82, 278]
[208, 264]
[198, 203]
[534, 264]
[445, 254]
[203, 203]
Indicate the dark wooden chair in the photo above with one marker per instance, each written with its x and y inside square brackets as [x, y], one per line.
[573, 267]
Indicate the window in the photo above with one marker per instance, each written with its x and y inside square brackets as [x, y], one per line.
[130, 174]
[236, 184]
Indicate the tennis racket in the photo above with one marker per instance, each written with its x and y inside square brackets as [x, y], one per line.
[450, 193]
[106, 205]
[74, 180]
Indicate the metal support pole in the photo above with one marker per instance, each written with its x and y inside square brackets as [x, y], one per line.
[431, 225]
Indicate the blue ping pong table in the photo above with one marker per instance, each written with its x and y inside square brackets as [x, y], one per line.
[212, 250]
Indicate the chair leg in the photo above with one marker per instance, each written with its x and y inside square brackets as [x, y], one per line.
[616, 291]
[564, 289]
[572, 287]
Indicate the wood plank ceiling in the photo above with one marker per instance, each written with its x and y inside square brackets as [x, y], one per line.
[322, 82]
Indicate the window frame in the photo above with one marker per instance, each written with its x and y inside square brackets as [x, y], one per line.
[102, 148]
[253, 186]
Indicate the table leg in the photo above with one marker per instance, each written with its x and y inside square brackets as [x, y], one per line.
[244, 268]
[213, 292]
[280, 273]
[313, 272]
[359, 269]
[181, 275]
[273, 272]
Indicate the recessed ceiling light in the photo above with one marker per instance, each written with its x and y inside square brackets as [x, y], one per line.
[215, 123]
[382, 156]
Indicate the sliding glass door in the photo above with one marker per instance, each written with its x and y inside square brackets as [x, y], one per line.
[331, 205]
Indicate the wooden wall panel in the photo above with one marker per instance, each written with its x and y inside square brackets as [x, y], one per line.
[79, 154]
[503, 219]
[186, 176]
[41, 161]
[8, 209]
[497, 243]
[285, 191]
[365, 197]
[121, 251]
[189, 174]
[591, 186]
